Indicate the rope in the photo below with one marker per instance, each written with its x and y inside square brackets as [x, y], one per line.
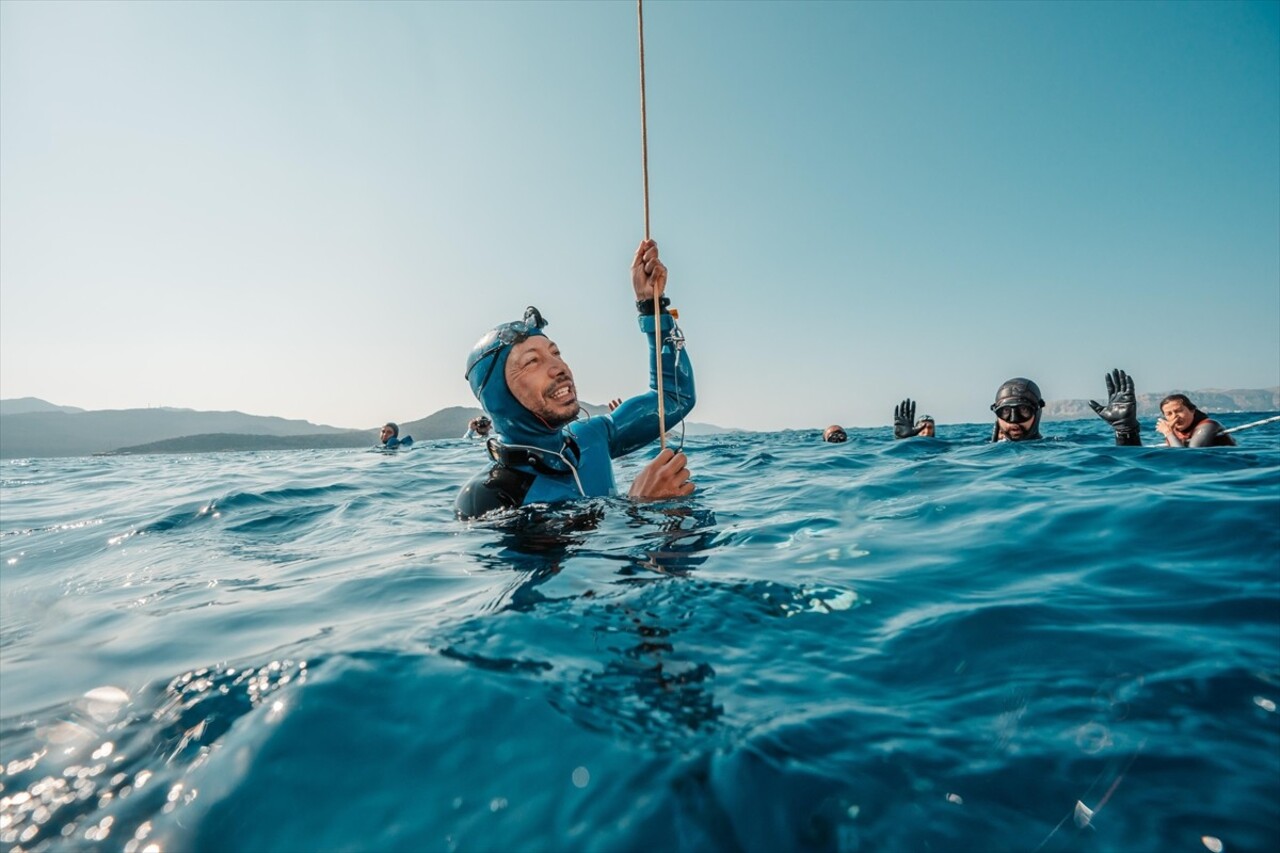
[644, 165]
[644, 125]
[1254, 424]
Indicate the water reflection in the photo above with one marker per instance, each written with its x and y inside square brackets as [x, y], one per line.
[99, 769]
[640, 681]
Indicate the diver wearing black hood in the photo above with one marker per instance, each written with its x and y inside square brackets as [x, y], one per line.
[1018, 407]
[544, 454]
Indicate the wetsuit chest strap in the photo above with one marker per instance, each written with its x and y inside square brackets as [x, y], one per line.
[542, 461]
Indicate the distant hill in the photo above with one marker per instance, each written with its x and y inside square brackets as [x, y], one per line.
[26, 405]
[1209, 400]
[695, 428]
[452, 423]
[59, 433]
[30, 427]
[221, 442]
[446, 423]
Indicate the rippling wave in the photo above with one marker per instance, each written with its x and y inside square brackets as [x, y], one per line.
[918, 645]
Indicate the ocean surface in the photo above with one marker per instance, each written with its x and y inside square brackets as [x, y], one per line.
[924, 645]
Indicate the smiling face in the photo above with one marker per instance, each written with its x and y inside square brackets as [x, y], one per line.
[540, 381]
[1178, 414]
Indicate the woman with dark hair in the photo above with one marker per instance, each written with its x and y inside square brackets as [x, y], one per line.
[1183, 425]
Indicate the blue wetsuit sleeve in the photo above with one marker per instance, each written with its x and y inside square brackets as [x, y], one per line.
[635, 422]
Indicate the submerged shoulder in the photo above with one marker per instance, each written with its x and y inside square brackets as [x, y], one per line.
[1210, 431]
[496, 488]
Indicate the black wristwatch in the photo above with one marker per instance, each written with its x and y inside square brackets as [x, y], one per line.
[645, 306]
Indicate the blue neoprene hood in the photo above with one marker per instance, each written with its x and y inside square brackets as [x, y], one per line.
[487, 373]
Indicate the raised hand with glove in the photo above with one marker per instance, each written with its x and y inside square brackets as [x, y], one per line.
[904, 420]
[1121, 410]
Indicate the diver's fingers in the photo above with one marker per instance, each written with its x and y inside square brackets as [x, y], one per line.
[640, 253]
[664, 456]
[677, 462]
[658, 275]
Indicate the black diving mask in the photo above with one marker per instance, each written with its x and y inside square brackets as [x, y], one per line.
[1016, 414]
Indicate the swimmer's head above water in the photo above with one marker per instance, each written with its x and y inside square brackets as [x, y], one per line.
[1017, 408]
[518, 376]
[1179, 411]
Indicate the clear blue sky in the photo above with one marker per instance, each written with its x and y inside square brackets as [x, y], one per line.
[314, 209]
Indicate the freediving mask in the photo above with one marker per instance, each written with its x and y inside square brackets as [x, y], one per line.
[495, 340]
[1016, 414]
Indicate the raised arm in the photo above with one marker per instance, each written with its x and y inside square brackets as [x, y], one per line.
[1121, 411]
[635, 421]
[904, 420]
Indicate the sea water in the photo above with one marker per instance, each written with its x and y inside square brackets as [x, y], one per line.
[880, 645]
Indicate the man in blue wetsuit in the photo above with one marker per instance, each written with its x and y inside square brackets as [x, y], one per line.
[544, 453]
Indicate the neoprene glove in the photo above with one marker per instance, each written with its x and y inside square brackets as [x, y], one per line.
[1121, 410]
[904, 420]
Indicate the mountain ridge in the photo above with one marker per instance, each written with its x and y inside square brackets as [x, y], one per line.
[1211, 400]
[27, 405]
[44, 429]
[31, 427]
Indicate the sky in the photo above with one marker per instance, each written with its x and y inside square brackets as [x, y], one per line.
[314, 210]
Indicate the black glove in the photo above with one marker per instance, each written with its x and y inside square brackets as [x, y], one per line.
[1121, 410]
[904, 420]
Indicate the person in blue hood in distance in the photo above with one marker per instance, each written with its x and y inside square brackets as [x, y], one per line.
[544, 453]
[390, 438]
